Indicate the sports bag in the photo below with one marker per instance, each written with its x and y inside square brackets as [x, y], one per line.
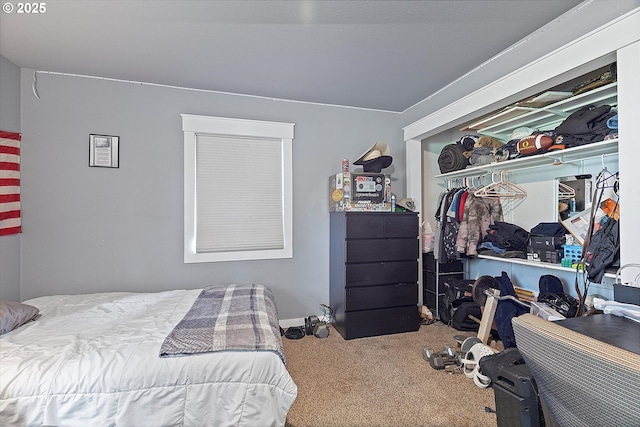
[456, 293]
[461, 320]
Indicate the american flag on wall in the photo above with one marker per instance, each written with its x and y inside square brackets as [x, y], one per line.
[10, 222]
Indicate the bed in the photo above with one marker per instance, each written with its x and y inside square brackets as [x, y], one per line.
[96, 360]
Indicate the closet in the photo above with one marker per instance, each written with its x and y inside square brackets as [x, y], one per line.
[531, 187]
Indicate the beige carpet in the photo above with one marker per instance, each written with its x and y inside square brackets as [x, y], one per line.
[381, 381]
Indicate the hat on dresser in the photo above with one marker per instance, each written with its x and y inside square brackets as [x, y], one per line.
[407, 204]
[376, 158]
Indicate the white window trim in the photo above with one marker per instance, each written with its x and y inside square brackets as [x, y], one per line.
[193, 125]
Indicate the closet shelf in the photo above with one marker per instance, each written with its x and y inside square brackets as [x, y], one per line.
[538, 264]
[583, 152]
[501, 124]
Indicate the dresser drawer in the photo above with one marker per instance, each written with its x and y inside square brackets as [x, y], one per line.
[367, 298]
[381, 273]
[378, 225]
[364, 226]
[401, 225]
[372, 250]
[429, 263]
[429, 280]
[382, 321]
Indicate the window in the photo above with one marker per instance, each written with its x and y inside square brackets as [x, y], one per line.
[237, 189]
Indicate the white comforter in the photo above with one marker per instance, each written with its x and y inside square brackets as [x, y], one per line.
[93, 360]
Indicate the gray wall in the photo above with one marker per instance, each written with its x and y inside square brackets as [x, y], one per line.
[97, 229]
[9, 121]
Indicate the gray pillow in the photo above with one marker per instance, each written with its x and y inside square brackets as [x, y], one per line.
[14, 314]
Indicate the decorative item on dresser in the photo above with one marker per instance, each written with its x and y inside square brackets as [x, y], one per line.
[374, 273]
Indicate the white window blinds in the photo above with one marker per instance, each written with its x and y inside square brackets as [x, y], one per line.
[238, 202]
[239, 194]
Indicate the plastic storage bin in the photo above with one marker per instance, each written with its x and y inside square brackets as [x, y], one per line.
[628, 293]
[574, 253]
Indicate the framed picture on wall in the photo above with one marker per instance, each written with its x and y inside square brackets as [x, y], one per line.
[104, 151]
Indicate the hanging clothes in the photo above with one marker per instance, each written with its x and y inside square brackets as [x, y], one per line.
[478, 215]
[447, 226]
[452, 224]
[437, 232]
[603, 249]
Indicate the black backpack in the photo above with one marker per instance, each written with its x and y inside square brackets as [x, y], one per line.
[586, 125]
[455, 307]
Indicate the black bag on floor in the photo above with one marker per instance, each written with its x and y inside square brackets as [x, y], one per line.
[456, 304]
[461, 320]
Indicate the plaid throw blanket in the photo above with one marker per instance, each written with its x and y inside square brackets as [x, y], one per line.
[231, 317]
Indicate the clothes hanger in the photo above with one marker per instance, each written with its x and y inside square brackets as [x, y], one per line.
[603, 179]
[565, 192]
[476, 182]
[502, 189]
[607, 179]
[480, 182]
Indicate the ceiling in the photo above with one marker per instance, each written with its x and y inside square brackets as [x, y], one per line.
[385, 55]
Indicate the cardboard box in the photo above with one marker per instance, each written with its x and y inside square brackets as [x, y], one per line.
[578, 225]
[359, 192]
